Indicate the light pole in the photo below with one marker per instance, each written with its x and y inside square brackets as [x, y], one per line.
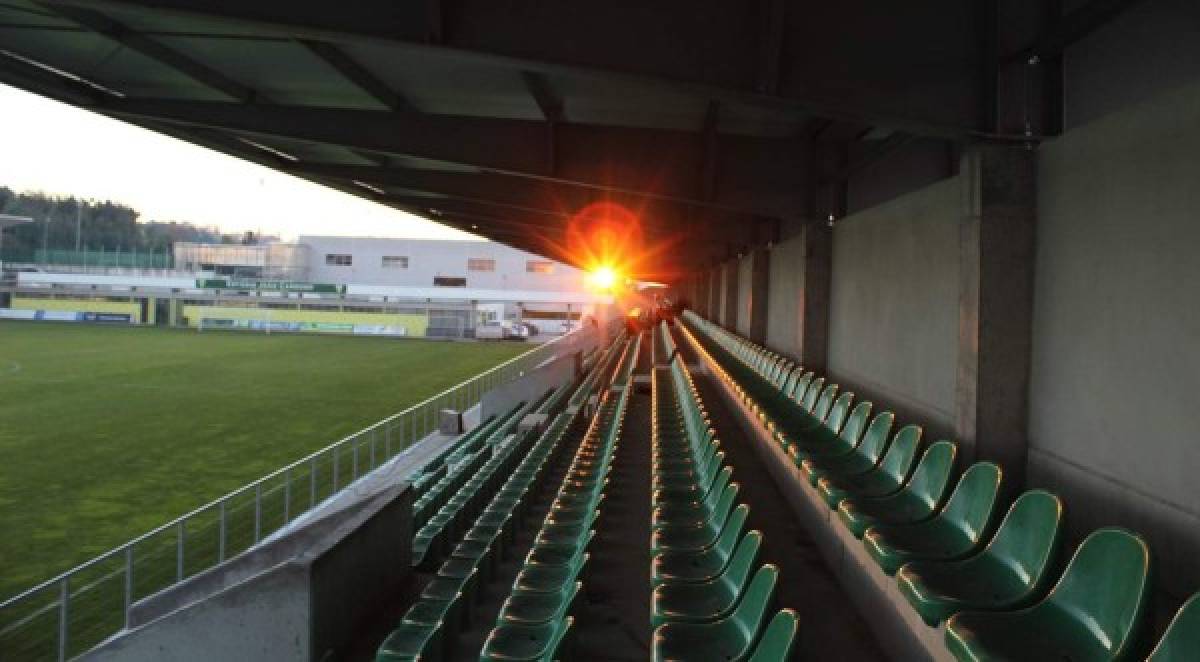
[6, 222]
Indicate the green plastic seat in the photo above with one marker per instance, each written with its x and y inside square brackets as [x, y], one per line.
[526, 642]
[864, 457]
[708, 564]
[1012, 572]
[820, 433]
[699, 602]
[1095, 611]
[953, 533]
[884, 479]
[778, 639]
[682, 516]
[729, 638]
[697, 536]
[1181, 641]
[410, 642]
[538, 608]
[549, 577]
[917, 500]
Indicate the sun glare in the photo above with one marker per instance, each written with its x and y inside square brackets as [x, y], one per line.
[603, 278]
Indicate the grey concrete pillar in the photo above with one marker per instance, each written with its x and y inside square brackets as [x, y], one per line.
[996, 307]
[729, 294]
[760, 272]
[714, 295]
[813, 309]
[700, 300]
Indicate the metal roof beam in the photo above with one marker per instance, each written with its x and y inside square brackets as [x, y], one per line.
[654, 164]
[140, 43]
[357, 74]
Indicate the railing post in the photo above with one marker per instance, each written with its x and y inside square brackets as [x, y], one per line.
[287, 496]
[128, 582]
[387, 440]
[337, 453]
[64, 599]
[257, 512]
[179, 542]
[354, 473]
[221, 528]
[373, 441]
[312, 482]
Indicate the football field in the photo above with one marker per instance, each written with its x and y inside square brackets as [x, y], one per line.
[106, 432]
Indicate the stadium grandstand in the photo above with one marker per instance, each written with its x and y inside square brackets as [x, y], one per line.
[919, 383]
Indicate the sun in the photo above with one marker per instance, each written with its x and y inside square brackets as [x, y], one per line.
[603, 278]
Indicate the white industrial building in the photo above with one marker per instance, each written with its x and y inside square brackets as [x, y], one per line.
[441, 288]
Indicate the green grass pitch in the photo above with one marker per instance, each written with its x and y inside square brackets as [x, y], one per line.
[107, 432]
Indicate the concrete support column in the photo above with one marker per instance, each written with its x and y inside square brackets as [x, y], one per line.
[996, 307]
[813, 310]
[760, 272]
[700, 300]
[729, 294]
[714, 295]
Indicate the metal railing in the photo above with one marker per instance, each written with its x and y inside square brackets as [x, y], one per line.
[69, 614]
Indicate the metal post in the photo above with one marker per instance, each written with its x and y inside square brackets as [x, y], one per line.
[179, 551]
[128, 582]
[412, 419]
[221, 534]
[354, 474]
[312, 482]
[387, 440]
[337, 452]
[64, 598]
[257, 512]
[373, 441]
[287, 497]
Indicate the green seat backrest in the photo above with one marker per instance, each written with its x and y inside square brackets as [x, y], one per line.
[736, 521]
[824, 404]
[875, 440]
[1105, 587]
[902, 453]
[1181, 641]
[856, 422]
[1029, 537]
[790, 383]
[730, 535]
[746, 621]
[737, 572]
[836, 417]
[721, 512]
[777, 640]
[718, 488]
[973, 503]
[800, 387]
[932, 475]
[814, 393]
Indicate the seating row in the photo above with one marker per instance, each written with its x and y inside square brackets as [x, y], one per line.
[485, 470]
[429, 628]
[536, 617]
[992, 580]
[708, 600]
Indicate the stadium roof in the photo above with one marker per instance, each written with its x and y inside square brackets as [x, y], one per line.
[507, 118]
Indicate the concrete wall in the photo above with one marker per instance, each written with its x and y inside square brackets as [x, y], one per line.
[745, 298]
[1116, 362]
[786, 274]
[893, 329]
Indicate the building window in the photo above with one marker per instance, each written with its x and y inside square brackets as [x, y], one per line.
[395, 262]
[481, 264]
[449, 281]
[539, 267]
[338, 259]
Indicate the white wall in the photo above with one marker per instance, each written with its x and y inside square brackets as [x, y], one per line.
[428, 258]
[745, 283]
[893, 318]
[786, 292]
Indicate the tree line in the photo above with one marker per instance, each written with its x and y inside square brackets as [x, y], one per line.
[59, 222]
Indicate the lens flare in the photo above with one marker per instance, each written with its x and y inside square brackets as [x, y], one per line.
[603, 278]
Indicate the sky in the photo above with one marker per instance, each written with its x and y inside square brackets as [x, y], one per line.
[62, 150]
